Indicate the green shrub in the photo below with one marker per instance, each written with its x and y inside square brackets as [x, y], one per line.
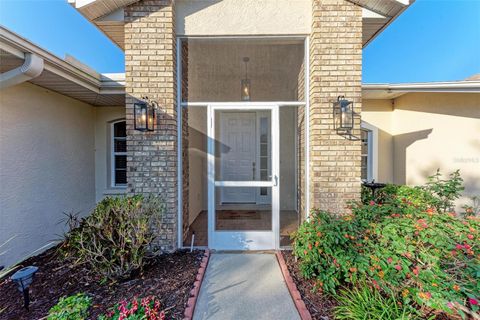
[115, 237]
[366, 303]
[445, 192]
[402, 245]
[399, 194]
[145, 308]
[437, 193]
[74, 307]
[473, 209]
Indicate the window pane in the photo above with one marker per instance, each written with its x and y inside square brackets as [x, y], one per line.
[364, 161]
[119, 129]
[364, 142]
[120, 177]
[263, 175]
[120, 162]
[120, 145]
[264, 150]
[364, 173]
[263, 163]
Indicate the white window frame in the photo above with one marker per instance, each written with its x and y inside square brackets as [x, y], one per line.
[372, 147]
[113, 154]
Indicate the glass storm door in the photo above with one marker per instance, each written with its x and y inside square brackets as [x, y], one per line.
[243, 183]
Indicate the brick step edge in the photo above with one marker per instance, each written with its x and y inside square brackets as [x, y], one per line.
[292, 288]
[192, 300]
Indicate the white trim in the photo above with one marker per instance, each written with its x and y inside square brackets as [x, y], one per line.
[369, 14]
[211, 174]
[372, 150]
[253, 184]
[245, 104]
[112, 184]
[307, 127]
[298, 37]
[179, 146]
[297, 150]
[275, 155]
[465, 86]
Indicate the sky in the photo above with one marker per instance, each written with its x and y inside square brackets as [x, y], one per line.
[433, 40]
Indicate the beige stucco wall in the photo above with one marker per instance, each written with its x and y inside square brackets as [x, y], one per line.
[104, 116]
[245, 17]
[378, 113]
[46, 166]
[427, 131]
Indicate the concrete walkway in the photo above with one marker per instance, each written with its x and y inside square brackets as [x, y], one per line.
[244, 286]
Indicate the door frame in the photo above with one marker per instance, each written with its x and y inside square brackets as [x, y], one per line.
[244, 240]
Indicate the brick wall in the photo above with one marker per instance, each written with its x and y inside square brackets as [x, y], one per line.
[335, 69]
[150, 71]
[301, 145]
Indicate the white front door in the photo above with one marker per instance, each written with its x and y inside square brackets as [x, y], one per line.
[243, 198]
[237, 154]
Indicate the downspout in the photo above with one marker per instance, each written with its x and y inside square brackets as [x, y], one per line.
[31, 68]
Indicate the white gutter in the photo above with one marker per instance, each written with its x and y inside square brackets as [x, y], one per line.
[31, 68]
[85, 77]
[454, 86]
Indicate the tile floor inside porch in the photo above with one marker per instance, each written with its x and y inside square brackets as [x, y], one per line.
[243, 220]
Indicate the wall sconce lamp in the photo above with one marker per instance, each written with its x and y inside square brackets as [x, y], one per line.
[344, 118]
[144, 114]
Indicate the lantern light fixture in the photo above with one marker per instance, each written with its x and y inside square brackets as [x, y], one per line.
[246, 82]
[144, 114]
[344, 117]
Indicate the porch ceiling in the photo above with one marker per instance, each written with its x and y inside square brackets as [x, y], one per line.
[107, 15]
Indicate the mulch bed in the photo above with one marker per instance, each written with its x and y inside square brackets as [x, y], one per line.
[319, 305]
[169, 277]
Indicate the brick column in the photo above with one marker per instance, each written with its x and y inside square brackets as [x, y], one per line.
[150, 70]
[335, 69]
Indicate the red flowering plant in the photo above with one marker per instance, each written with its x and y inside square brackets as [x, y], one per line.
[147, 308]
[429, 259]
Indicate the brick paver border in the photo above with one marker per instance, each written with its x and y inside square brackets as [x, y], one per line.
[292, 288]
[192, 301]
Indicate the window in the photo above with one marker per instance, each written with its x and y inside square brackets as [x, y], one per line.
[264, 154]
[119, 154]
[366, 164]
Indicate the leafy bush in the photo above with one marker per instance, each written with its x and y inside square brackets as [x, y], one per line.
[74, 307]
[148, 308]
[402, 245]
[115, 237]
[473, 209]
[437, 193]
[445, 192]
[364, 302]
[398, 194]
